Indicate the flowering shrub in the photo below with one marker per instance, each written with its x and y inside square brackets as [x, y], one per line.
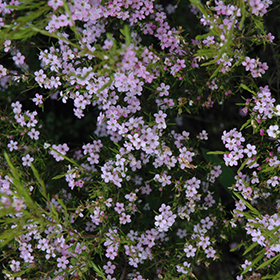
[140, 197]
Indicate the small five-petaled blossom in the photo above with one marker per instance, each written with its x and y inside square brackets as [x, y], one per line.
[26, 160]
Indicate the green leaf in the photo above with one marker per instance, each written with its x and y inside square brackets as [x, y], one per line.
[246, 124]
[37, 176]
[276, 277]
[62, 204]
[105, 86]
[236, 248]
[72, 26]
[250, 248]
[59, 176]
[53, 35]
[20, 190]
[9, 234]
[208, 14]
[14, 171]
[267, 169]
[54, 212]
[21, 7]
[20, 29]
[31, 16]
[266, 263]
[126, 33]
[259, 24]
[203, 36]
[247, 215]
[268, 277]
[217, 153]
[216, 71]
[248, 205]
[256, 260]
[114, 47]
[67, 158]
[246, 88]
[242, 165]
[7, 237]
[243, 12]
[206, 53]
[98, 270]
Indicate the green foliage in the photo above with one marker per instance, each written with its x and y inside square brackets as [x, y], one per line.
[227, 177]
[86, 215]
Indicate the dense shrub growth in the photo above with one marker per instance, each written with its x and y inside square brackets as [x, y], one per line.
[139, 139]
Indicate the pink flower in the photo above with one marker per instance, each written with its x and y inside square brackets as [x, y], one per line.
[270, 37]
[119, 207]
[210, 252]
[249, 63]
[273, 131]
[111, 254]
[16, 107]
[161, 223]
[62, 262]
[204, 242]
[60, 148]
[250, 150]
[55, 3]
[27, 160]
[40, 77]
[230, 159]
[13, 145]
[246, 264]
[33, 134]
[190, 251]
[19, 59]
[38, 99]
[256, 5]
[109, 268]
[124, 218]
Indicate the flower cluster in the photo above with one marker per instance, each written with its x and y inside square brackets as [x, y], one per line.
[140, 197]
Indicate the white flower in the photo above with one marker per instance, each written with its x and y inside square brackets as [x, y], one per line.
[273, 131]
[46, 145]
[277, 110]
